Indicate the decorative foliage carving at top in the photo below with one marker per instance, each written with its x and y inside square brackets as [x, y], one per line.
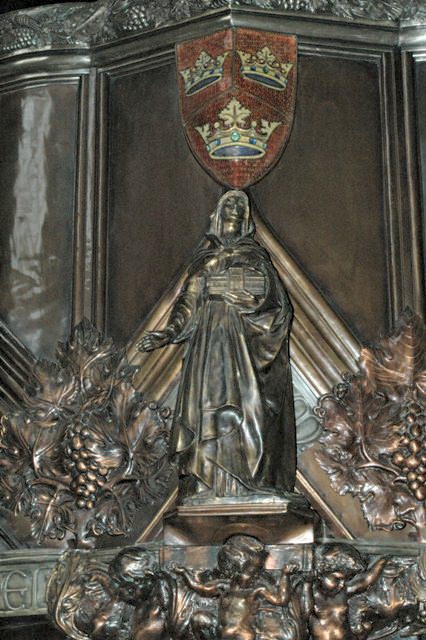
[106, 20]
[86, 450]
[374, 442]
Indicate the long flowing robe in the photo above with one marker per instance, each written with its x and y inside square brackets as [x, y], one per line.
[236, 355]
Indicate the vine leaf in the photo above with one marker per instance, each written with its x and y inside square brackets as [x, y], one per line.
[78, 586]
[398, 362]
[91, 361]
[86, 450]
[116, 511]
[374, 440]
[51, 514]
[383, 505]
[54, 395]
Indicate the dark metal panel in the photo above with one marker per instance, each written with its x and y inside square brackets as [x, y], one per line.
[325, 198]
[410, 213]
[417, 225]
[159, 197]
[27, 629]
[37, 175]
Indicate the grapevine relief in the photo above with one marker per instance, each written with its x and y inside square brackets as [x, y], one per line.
[374, 442]
[86, 450]
[106, 20]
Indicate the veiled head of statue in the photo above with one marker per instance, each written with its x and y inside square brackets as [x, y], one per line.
[231, 220]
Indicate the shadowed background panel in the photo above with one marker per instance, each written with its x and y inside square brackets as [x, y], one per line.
[324, 199]
[159, 197]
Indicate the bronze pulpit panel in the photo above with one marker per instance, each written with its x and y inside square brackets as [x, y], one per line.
[242, 466]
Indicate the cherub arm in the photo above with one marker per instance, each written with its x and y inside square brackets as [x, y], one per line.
[283, 593]
[307, 596]
[211, 588]
[368, 578]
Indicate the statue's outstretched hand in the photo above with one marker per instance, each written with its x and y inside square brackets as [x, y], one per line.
[154, 340]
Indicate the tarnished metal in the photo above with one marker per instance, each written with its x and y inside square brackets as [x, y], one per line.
[86, 25]
[142, 595]
[85, 451]
[233, 430]
[373, 446]
[242, 589]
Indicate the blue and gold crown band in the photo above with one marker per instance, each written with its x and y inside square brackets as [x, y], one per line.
[264, 68]
[235, 139]
[205, 72]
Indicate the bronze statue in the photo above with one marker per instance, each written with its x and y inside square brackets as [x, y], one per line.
[245, 592]
[340, 574]
[142, 596]
[235, 392]
[133, 600]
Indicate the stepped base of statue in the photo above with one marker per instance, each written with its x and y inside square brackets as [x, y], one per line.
[273, 519]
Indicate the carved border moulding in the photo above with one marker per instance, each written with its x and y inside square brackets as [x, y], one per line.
[85, 451]
[242, 589]
[23, 579]
[107, 20]
[374, 441]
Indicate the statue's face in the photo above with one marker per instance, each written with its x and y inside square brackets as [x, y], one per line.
[233, 211]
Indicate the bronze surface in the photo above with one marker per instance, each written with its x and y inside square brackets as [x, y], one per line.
[273, 521]
[114, 238]
[164, 221]
[233, 430]
[37, 177]
[337, 95]
[373, 445]
[242, 589]
[85, 454]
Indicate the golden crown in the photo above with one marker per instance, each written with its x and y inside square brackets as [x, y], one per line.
[206, 71]
[235, 139]
[264, 68]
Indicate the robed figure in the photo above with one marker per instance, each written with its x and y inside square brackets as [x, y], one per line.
[233, 431]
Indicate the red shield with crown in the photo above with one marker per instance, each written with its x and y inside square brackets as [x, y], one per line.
[237, 94]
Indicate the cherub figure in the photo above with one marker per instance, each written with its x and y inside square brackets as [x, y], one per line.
[340, 573]
[239, 595]
[139, 582]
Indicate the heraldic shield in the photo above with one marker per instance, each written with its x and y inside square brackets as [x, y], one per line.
[237, 93]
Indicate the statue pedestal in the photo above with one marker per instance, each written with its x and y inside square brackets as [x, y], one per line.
[272, 519]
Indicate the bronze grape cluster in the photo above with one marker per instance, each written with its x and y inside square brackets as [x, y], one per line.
[88, 474]
[411, 459]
